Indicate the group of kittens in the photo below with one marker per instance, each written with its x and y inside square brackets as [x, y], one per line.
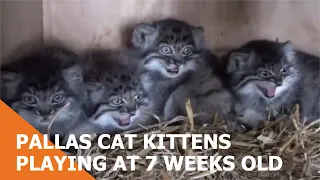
[60, 92]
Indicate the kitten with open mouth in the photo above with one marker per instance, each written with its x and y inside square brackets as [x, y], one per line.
[170, 51]
[106, 116]
[125, 119]
[268, 92]
[264, 76]
[117, 100]
[173, 69]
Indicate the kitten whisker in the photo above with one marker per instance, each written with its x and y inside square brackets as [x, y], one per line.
[41, 82]
[55, 117]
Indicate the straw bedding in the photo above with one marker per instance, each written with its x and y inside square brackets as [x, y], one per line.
[298, 146]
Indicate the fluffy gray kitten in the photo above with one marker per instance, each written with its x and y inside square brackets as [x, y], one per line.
[45, 86]
[264, 76]
[206, 91]
[170, 50]
[310, 88]
[118, 100]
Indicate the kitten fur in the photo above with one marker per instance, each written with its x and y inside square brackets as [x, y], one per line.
[115, 93]
[40, 85]
[208, 95]
[310, 88]
[169, 51]
[264, 77]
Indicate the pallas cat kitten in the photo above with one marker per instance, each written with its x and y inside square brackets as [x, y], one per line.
[43, 87]
[264, 77]
[208, 95]
[118, 100]
[170, 49]
[310, 86]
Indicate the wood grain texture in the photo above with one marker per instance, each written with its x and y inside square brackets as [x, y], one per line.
[21, 26]
[108, 23]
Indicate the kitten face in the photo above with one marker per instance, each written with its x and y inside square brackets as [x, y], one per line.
[40, 85]
[119, 102]
[267, 73]
[42, 106]
[171, 47]
[41, 102]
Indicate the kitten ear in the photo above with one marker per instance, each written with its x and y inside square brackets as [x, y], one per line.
[288, 50]
[199, 37]
[7, 76]
[9, 83]
[73, 75]
[238, 61]
[94, 90]
[143, 35]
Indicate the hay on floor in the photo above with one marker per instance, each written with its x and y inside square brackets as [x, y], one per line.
[298, 146]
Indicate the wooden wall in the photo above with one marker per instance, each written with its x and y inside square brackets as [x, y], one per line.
[83, 24]
[21, 26]
[107, 23]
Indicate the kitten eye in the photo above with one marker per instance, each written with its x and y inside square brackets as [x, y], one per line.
[138, 98]
[30, 100]
[264, 73]
[166, 50]
[58, 98]
[187, 51]
[116, 102]
[284, 71]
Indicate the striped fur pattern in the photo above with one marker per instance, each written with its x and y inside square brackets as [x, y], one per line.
[310, 91]
[170, 52]
[118, 102]
[208, 94]
[264, 77]
[46, 86]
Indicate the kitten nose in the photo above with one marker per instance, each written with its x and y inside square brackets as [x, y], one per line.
[278, 81]
[176, 61]
[46, 112]
[131, 108]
